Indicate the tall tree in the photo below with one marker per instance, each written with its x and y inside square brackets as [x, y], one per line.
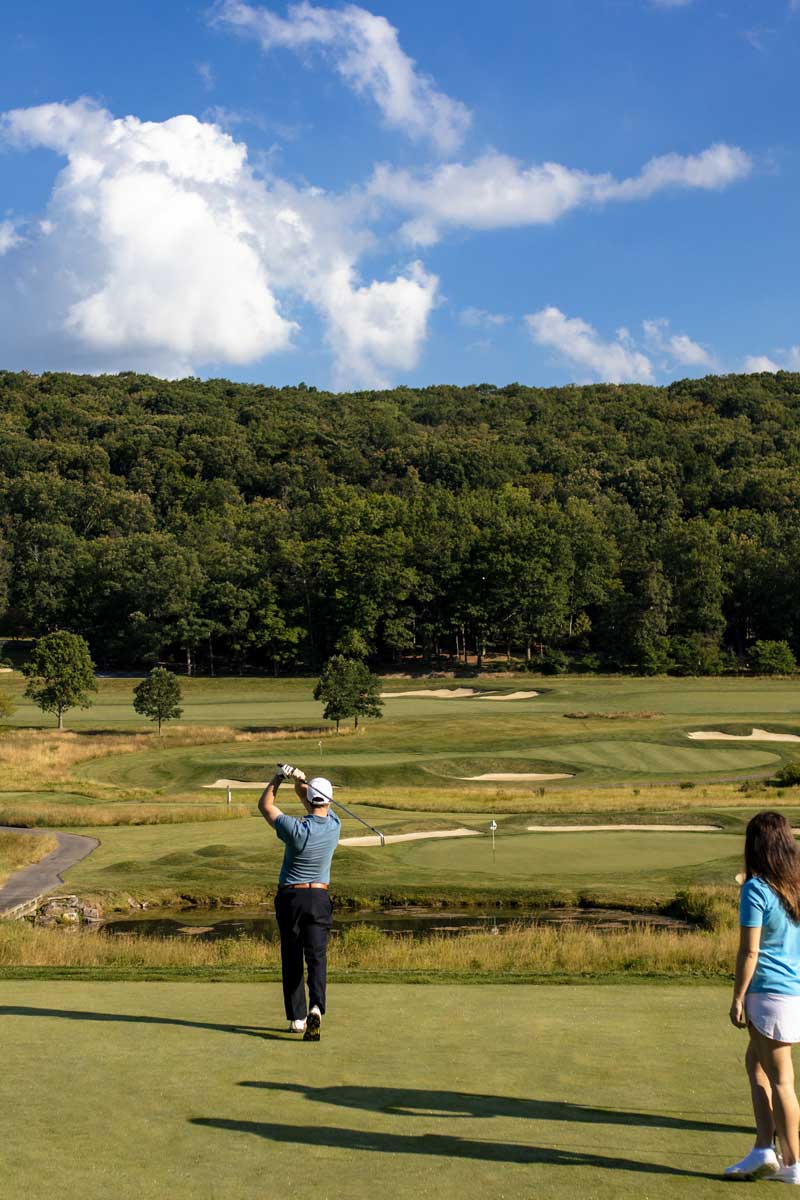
[60, 674]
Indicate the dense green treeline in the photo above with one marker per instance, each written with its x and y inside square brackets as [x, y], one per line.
[251, 527]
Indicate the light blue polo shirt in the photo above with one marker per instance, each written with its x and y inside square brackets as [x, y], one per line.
[310, 842]
[778, 967]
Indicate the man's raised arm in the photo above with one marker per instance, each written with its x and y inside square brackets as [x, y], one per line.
[266, 804]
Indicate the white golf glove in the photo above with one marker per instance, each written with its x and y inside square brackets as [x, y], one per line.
[290, 772]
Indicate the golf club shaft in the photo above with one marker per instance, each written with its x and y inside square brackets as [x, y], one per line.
[350, 813]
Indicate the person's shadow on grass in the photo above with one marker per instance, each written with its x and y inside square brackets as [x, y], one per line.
[266, 1033]
[441, 1145]
[412, 1102]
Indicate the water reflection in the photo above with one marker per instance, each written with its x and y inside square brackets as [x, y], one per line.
[211, 924]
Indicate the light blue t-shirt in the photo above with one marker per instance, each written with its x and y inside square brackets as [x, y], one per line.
[310, 843]
[778, 967]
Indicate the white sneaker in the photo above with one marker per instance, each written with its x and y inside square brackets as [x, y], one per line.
[298, 1026]
[790, 1174]
[758, 1164]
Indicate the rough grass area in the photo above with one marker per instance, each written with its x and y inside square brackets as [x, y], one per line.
[516, 951]
[196, 1092]
[76, 816]
[20, 850]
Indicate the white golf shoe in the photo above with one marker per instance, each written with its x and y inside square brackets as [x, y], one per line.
[298, 1026]
[758, 1164]
[790, 1174]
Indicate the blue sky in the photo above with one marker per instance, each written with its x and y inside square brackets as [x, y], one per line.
[548, 191]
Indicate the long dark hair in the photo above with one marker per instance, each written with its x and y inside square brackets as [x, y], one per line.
[770, 852]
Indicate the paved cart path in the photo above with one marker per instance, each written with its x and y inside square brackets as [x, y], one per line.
[27, 884]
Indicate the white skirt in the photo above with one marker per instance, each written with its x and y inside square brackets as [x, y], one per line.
[777, 1017]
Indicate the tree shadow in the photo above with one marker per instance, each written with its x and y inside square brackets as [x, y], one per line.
[266, 1033]
[410, 1102]
[440, 1145]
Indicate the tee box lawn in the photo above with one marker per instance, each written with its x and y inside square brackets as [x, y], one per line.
[195, 1091]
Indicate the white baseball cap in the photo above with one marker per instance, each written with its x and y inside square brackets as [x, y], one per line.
[320, 791]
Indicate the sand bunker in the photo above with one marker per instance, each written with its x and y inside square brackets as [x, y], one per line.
[235, 783]
[509, 776]
[439, 694]
[369, 840]
[634, 828]
[459, 694]
[509, 696]
[758, 735]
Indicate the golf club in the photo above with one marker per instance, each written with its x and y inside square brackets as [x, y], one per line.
[339, 804]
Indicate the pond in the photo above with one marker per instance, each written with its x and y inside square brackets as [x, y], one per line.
[209, 924]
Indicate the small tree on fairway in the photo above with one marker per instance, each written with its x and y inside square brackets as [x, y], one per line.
[334, 690]
[158, 696]
[60, 674]
[348, 689]
[7, 706]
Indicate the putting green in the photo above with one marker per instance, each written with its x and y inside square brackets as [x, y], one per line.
[524, 857]
[195, 1092]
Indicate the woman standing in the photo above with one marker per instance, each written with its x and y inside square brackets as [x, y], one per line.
[766, 995]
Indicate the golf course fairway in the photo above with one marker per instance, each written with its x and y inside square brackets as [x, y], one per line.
[459, 1091]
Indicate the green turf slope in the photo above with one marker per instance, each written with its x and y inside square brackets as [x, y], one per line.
[232, 857]
[195, 1092]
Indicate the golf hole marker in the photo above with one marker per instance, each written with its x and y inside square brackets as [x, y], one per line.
[493, 831]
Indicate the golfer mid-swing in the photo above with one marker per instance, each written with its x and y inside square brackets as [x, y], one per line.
[302, 903]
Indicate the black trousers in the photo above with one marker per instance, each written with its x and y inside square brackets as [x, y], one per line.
[305, 918]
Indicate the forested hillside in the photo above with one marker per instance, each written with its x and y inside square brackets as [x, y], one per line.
[260, 528]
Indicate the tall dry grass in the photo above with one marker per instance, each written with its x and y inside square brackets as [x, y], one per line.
[528, 798]
[69, 816]
[21, 849]
[30, 757]
[516, 950]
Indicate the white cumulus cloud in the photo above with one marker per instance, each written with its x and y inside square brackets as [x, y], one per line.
[754, 364]
[581, 345]
[367, 54]
[378, 326]
[496, 191]
[161, 251]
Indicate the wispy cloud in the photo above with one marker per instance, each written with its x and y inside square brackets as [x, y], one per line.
[367, 54]
[206, 73]
[9, 238]
[614, 361]
[678, 347]
[479, 318]
[496, 191]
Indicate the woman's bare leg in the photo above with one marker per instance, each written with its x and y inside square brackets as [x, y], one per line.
[776, 1059]
[761, 1093]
